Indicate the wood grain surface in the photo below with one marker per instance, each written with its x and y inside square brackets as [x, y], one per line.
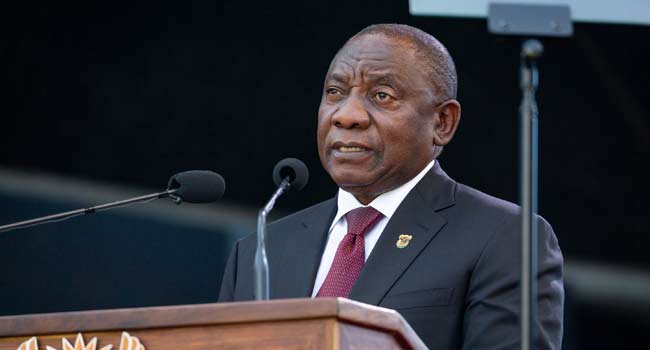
[323, 323]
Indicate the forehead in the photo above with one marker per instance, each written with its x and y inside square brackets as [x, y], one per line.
[374, 55]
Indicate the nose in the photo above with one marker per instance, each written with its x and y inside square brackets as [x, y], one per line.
[352, 114]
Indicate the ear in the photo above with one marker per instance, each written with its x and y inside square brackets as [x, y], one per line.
[446, 118]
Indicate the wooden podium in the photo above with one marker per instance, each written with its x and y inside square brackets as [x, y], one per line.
[289, 324]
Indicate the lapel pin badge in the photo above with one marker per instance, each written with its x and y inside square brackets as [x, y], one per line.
[403, 241]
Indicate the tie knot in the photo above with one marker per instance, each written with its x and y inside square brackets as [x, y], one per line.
[361, 219]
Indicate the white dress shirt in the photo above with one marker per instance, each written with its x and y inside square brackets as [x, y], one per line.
[386, 203]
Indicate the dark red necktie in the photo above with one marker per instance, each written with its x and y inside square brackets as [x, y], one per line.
[350, 255]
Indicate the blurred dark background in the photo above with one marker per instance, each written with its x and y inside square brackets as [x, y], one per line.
[102, 100]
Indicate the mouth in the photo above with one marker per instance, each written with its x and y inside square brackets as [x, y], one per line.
[349, 147]
[350, 152]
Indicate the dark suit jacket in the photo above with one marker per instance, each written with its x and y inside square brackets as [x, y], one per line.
[456, 283]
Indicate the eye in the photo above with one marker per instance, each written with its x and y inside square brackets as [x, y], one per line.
[333, 94]
[382, 96]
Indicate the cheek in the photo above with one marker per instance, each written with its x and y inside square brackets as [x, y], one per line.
[407, 139]
[322, 129]
[323, 113]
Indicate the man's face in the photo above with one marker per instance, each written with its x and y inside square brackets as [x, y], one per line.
[376, 117]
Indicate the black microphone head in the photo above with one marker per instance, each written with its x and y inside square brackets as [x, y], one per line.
[295, 169]
[197, 186]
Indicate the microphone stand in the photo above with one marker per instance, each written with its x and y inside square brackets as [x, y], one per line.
[69, 214]
[539, 21]
[261, 267]
[531, 50]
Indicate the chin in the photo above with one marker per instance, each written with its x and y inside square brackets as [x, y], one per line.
[349, 182]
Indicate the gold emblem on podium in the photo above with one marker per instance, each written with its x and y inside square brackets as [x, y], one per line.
[126, 343]
[403, 241]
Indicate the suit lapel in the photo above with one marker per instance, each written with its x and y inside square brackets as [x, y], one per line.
[416, 216]
[295, 270]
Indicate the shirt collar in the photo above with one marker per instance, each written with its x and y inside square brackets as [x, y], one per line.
[386, 203]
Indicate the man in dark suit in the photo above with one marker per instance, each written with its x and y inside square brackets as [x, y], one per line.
[401, 233]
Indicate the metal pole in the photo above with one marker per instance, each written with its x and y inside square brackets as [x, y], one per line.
[530, 52]
[72, 213]
[261, 266]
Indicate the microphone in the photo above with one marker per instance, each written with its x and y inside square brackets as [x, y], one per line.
[289, 173]
[293, 171]
[196, 186]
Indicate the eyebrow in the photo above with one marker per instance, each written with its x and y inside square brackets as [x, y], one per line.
[385, 79]
[339, 77]
[382, 79]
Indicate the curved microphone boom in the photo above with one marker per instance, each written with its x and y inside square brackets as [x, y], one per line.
[289, 173]
[196, 186]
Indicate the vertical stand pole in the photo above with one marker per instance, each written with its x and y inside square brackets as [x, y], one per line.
[261, 265]
[530, 52]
